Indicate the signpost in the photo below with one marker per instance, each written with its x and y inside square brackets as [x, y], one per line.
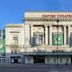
[57, 41]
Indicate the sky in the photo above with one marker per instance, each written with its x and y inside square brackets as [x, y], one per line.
[12, 11]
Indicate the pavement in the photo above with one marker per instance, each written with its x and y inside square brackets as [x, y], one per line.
[34, 68]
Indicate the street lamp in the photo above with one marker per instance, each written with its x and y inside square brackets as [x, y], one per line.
[57, 20]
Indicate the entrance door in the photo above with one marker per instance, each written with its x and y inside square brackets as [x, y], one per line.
[15, 60]
[71, 59]
[39, 59]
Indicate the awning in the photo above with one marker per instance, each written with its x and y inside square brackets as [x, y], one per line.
[48, 53]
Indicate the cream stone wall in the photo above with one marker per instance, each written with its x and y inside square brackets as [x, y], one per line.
[26, 31]
[26, 34]
[12, 30]
[10, 35]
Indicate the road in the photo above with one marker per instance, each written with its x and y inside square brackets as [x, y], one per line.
[34, 68]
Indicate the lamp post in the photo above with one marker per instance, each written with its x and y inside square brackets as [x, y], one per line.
[57, 20]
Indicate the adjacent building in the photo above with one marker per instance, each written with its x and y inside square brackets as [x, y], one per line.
[44, 37]
[2, 47]
[14, 43]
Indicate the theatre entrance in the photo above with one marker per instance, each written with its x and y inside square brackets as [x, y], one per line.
[71, 59]
[15, 60]
[39, 59]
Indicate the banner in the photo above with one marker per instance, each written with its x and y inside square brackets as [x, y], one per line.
[58, 41]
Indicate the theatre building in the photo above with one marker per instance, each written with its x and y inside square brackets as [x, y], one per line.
[44, 37]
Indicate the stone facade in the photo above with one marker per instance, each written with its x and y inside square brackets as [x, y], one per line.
[45, 37]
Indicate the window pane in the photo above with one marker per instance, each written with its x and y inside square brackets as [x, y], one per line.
[3, 60]
[0, 60]
[38, 38]
[61, 60]
[15, 39]
[54, 60]
[67, 60]
[48, 60]
[15, 51]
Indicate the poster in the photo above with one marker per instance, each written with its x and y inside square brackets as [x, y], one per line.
[59, 41]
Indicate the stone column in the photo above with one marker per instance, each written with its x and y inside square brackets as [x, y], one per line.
[43, 39]
[46, 35]
[50, 35]
[64, 35]
[26, 35]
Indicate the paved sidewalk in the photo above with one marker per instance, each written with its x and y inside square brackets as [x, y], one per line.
[35, 65]
[34, 68]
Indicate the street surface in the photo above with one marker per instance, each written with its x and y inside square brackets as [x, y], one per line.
[34, 68]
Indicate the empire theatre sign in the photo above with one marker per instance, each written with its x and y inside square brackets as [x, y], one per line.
[61, 17]
[56, 15]
[50, 16]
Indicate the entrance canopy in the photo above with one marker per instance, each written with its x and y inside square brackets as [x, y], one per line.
[48, 53]
[15, 57]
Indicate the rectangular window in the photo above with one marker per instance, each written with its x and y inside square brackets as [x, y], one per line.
[15, 39]
[67, 60]
[48, 60]
[29, 59]
[38, 39]
[54, 60]
[15, 51]
[11, 51]
[0, 60]
[3, 54]
[61, 60]
[3, 60]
